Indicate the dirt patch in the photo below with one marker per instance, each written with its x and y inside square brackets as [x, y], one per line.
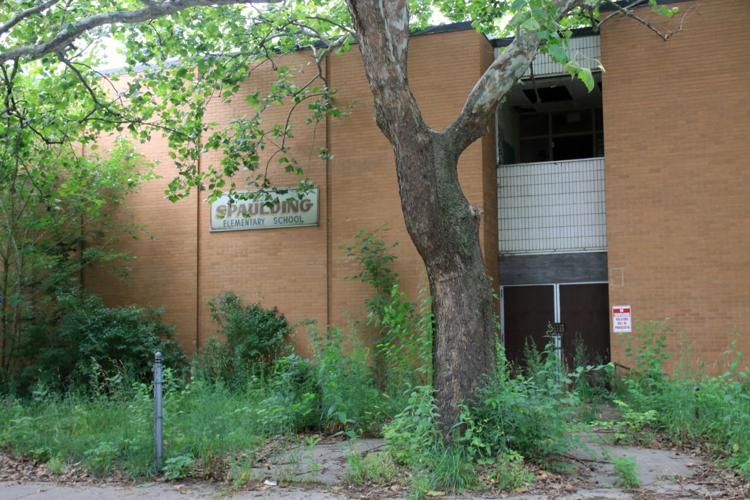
[23, 469]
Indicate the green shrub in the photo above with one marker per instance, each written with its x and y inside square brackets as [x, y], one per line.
[685, 407]
[509, 419]
[345, 382]
[632, 426]
[649, 352]
[212, 363]
[403, 348]
[405, 344]
[291, 402]
[373, 255]
[178, 467]
[412, 436]
[253, 338]
[101, 458]
[513, 412]
[509, 472]
[593, 384]
[252, 332]
[91, 343]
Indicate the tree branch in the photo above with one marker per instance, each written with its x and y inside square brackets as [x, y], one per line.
[152, 10]
[383, 30]
[496, 81]
[628, 11]
[20, 16]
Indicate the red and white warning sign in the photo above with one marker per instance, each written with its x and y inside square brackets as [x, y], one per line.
[622, 319]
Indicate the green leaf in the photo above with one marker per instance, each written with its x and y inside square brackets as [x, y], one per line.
[584, 74]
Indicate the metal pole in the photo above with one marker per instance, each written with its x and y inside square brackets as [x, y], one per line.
[558, 324]
[158, 414]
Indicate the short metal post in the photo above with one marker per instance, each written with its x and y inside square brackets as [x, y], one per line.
[558, 347]
[158, 413]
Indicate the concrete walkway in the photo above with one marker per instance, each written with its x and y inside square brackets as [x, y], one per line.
[319, 472]
[51, 491]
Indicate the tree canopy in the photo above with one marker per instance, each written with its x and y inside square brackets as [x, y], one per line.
[181, 53]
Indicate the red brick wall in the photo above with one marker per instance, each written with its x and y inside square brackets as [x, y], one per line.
[676, 128]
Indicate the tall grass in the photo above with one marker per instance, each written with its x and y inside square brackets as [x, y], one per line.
[206, 422]
[690, 407]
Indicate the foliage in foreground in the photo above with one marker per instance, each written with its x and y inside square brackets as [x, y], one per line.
[688, 407]
[56, 219]
[206, 425]
[213, 428]
[509, 422]
[403, 346]
[217, 422]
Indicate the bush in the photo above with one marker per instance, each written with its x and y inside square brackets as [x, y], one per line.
[254, 338]
[688, 407]
[90, 342]
[512, 413]
[414, 440]
[334, 391]
[509, 472]
[412, 436]
[252, 333]
[403, 349]
[625, 470]
[405, 344]
[509, 420]
[348, 396]
[293, 387]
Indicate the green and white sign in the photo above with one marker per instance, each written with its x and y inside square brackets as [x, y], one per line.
[286, 210]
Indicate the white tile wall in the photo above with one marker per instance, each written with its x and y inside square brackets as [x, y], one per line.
[552, 207]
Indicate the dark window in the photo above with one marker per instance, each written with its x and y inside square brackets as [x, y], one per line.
[509, 153]
[567, 122]
[572, 147]
[561, 135]
[534, 124]
[533, 150]
[548, 94]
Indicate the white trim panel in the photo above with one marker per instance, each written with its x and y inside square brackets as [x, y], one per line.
[552, 207]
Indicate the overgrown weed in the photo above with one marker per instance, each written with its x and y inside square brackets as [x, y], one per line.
[689, 407]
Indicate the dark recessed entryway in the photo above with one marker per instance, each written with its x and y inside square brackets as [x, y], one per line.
[582, 309]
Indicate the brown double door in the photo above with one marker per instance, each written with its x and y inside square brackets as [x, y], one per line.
[583, 310]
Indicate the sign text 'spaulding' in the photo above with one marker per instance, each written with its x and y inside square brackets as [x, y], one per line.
[287, 210]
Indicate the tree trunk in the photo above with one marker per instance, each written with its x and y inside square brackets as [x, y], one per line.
[4, 348]
[442, 224]
[444, 227]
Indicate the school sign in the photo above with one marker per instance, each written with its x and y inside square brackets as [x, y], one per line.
[290, 209]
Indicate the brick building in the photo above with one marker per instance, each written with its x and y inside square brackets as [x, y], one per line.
[634, 194]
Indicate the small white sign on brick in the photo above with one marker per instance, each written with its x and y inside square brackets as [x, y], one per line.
[622, 319]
